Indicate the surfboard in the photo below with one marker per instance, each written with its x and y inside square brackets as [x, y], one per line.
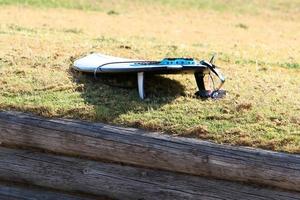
[101, 63]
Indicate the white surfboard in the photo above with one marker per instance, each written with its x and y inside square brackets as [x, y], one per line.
[112, 64]
[100, 63]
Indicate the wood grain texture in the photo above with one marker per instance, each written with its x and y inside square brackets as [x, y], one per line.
[121, 182]
[9, 191]
[133, 146]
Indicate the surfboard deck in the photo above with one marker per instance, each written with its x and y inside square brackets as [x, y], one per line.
[100, 63]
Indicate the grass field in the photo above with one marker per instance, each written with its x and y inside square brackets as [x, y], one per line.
[257, 43]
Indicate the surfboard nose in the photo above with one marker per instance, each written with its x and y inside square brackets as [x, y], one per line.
[87, 63]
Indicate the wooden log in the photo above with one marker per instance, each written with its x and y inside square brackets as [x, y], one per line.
[121, 182]
[11, 191]
[133, 146]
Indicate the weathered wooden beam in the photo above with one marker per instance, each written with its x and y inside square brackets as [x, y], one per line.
[121, 182]
[12, 191]
[133, 146]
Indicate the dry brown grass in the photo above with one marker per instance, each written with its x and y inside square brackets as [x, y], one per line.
[256, 52]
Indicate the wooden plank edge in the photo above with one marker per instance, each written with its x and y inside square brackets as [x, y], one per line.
[136, 147]
[122, 182]
[17, 191]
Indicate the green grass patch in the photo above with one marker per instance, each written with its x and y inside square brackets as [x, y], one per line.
[290, 65]
[71, 4]
[239, 6]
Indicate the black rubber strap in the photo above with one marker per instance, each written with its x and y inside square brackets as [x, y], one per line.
[199, 76]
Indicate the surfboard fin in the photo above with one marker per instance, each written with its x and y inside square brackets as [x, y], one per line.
[140, 78]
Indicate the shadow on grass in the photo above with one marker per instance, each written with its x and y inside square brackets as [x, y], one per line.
[114, 95]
